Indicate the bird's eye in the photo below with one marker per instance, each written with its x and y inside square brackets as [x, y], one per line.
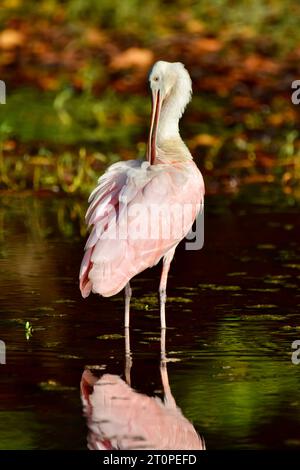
[155, 79]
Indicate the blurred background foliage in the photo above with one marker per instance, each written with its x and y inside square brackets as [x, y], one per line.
[77, 97]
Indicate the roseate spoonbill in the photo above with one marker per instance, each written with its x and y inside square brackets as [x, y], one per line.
[120, 418]
[141, 210]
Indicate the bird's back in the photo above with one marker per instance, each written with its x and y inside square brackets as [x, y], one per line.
[138, 213]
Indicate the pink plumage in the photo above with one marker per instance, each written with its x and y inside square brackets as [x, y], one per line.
[141, 210]
[110, 261]
[120, 418]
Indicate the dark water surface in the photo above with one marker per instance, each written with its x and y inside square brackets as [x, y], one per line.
[232, 315]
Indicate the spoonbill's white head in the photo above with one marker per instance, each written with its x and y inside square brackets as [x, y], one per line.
[171, 88]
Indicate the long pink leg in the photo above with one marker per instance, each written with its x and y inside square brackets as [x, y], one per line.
[128, 359]
[128, 293]
[163, 285]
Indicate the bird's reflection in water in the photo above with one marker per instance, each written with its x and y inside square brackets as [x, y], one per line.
[120, 418]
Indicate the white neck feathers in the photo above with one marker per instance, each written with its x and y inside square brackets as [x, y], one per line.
[173, 108]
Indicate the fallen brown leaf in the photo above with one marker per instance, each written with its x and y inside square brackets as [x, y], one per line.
[10, 38]
[133, 57]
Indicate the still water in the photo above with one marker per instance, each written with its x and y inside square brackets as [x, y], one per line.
[232, 315]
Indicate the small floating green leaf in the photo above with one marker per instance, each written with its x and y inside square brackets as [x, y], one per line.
[180, 300]
[111, 336]
[52, 385]
[264, 316]
[234, 274]
[289, 327]
[64, 301]
[267, 289]
[292, 265]
[215, 287]
[28, 330]
[261, 306]
[52, 344]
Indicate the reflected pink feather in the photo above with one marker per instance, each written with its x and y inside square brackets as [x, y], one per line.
[120, 418]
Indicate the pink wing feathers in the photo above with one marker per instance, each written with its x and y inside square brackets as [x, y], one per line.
[101, 206]
[138, 213]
